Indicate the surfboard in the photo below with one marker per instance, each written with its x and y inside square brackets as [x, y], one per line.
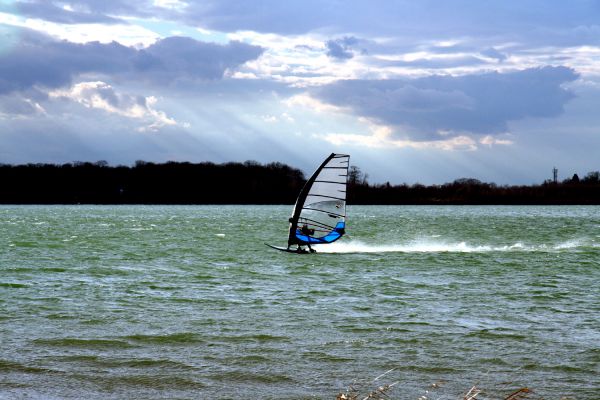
[285, 249]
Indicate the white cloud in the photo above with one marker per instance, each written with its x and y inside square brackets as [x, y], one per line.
[176, 5]
[299, 60]
[491, 141]
[459, 143]
[283, 117]
[381, 138]
[306, 101]
[102, 96]
[125, 34]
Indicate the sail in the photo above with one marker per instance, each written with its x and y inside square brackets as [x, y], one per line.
[320, 212]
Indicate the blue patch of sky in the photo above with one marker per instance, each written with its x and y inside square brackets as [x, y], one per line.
[6, 3]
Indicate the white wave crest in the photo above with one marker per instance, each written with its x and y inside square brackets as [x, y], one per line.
[437, 246]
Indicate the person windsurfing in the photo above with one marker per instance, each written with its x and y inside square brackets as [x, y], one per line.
[314, 219]
[305, 230]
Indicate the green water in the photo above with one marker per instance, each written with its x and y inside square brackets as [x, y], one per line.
[138, 302]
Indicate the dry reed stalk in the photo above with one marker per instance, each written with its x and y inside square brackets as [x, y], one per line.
[472, 393]
[519, 394]
[353, 391]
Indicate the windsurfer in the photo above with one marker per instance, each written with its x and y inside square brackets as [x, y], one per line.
[307, 232]
[314, 218]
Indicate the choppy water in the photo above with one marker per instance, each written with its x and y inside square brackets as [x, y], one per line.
[186, 302]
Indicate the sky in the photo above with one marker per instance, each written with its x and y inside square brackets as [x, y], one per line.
[415, 91]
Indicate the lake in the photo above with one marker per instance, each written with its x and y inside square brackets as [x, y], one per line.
[152, 302]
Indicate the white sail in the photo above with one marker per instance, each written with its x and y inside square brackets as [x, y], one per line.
[320, 212]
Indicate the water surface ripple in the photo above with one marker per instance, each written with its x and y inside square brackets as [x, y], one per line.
[114, 302]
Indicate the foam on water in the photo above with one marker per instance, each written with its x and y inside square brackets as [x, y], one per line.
[440, 246]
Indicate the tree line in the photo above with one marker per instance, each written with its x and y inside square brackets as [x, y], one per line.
[254, 183]
[150, 183]
[474, 192]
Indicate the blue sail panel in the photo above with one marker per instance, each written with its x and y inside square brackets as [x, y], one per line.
[331, 237]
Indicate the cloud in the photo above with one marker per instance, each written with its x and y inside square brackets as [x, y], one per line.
[575, 22]
[181, 58]
[457, 143]
[38, 60]
[282, 17]
[490, 141]
[536, 21]
[269, 71]
[177, 5]
[51, 11]
[12, 106]
[437, 107]
[432, 61]
[86, 11]
[341, 49]
[493, 53]
[100, 95]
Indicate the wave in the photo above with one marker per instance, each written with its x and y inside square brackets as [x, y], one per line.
[440, 246]
[174, 338]
[83, 343]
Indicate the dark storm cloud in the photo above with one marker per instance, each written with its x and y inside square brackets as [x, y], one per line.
[481, 104]
[41, 61]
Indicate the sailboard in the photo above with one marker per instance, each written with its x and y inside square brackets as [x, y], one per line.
[319, 215]
[288, 249]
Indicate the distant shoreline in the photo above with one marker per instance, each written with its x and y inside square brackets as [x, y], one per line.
[181, 183]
